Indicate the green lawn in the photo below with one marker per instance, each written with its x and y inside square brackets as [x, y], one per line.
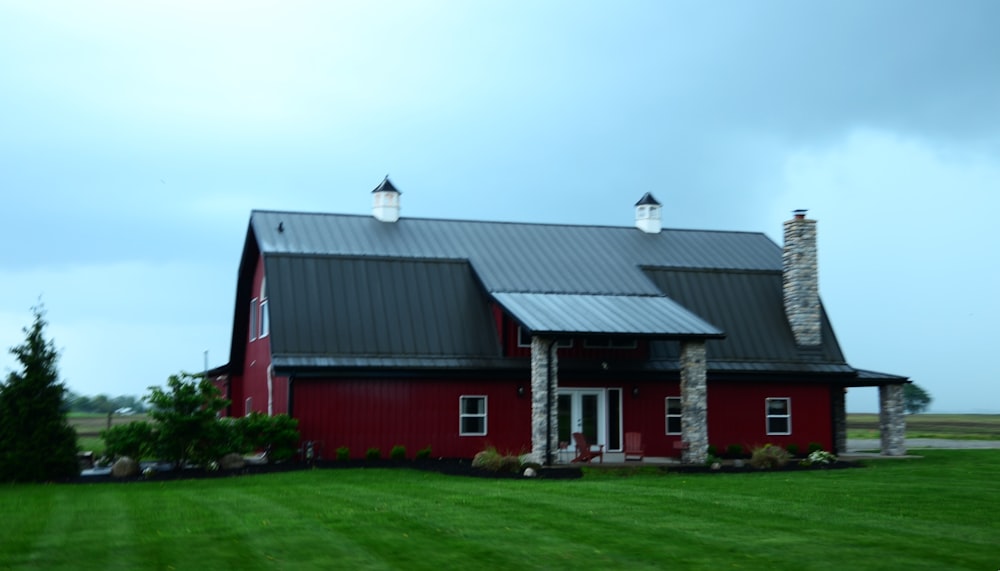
[932, 513]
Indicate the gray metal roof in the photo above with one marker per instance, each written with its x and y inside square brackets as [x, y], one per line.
[527, 258]
[324, 306]
[349, 291]
[604, 314]
[749, 307]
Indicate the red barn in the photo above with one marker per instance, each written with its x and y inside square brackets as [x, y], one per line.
[376, 331]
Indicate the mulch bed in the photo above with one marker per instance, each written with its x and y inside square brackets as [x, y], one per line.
[448, 466]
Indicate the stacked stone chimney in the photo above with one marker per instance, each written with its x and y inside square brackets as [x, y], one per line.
[801, 280]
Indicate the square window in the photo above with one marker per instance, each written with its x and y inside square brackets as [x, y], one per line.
[673, 415]
[779, 415]
[472, 416]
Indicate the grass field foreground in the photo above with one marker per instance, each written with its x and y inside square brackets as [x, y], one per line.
[932, 513]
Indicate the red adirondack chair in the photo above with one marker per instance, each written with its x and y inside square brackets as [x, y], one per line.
[633, 446]
[584, 451]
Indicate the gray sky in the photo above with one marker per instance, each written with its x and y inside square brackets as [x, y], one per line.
[135, 138]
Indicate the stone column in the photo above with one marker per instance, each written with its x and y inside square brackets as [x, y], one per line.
[544, 399]
[838, 402]
[892, 420]
[694, 402]
[801, 280]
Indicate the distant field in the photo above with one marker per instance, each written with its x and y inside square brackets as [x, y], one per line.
[953, 426]
[89, 426]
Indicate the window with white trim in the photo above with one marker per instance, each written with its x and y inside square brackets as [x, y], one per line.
[524, 339]
[610, 342]
[265, 321]
[673, 414]
[779, 415]
[472, 415]
[253, 319]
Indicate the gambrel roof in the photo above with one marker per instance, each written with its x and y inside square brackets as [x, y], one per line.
[351, 291]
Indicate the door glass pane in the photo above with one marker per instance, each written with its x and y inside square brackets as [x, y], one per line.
[588, 416]
[614, 419]
[565, 418]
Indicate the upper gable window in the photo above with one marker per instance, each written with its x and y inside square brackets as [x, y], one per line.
[524, 339]
[609, 342]
[253, 319]
[779, 415]
[265, 319]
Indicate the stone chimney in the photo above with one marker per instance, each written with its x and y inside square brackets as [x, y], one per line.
[647, 214]
[801, 280]
[385, 207]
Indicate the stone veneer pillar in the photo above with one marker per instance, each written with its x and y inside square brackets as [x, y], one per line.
[544, 399]
[801, 280]
[892, 420]
[694, 402]
[838, 401]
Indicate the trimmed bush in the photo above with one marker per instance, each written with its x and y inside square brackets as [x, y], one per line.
[398, 452]
[343, 454]
[734, 451]
[713, 450]
[768, 457]
[373, 454]
[793, 449]
[134, 440]
[424, 453]
[814, 446]
[492, 460]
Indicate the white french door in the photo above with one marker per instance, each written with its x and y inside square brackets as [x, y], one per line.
[583, 410]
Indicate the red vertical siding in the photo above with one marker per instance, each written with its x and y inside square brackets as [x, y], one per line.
[382, 413]
[257, 359]
[736, 414]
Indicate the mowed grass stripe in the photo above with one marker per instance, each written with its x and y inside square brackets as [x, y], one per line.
[933, 513]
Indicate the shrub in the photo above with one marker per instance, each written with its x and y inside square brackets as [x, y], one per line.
[373, 454]
[814, 446]
[768, 457]
[713, 450]
[492, 460]
[343, 454]
[134, 440]
[793, 449]
[278, 435]
[734, 451]
[821, 457]
[398, 452]
[424, 453]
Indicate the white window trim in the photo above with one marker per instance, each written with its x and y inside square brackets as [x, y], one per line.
[462, 415]
[667, 416]
[253, 319]
[248, 406]
[768, 416]
[560, 343]
[265, 321]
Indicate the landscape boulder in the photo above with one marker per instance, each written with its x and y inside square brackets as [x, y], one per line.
[124, 467]
[232, 461]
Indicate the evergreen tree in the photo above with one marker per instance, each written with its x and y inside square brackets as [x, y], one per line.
[37, 444]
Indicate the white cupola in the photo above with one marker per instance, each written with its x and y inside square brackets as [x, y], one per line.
[647, 214]
[385, 205]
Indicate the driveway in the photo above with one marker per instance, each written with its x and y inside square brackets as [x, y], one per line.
[859, 444]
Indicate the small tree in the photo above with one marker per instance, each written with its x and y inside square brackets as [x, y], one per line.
[915, 399]
[36, 442]
[185, 414]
